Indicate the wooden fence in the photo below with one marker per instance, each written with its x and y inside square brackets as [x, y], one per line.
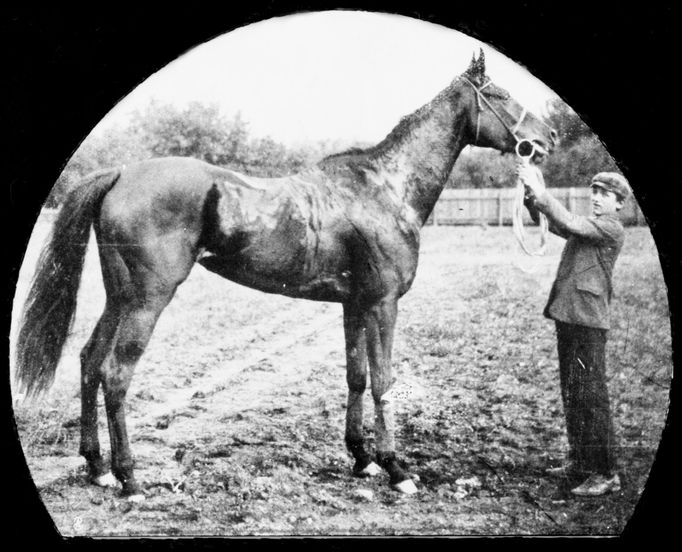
[493, 206]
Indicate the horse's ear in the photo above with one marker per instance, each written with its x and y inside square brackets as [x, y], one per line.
[473, 65]
[476, 70]
[481, 62]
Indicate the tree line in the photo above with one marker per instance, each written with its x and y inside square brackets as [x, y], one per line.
[204, 132]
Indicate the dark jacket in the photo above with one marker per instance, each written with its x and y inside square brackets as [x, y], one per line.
[582, 289]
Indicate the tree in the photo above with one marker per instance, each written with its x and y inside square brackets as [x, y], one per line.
[269, 158]
[567, 123]
[114, 146]
[576, 164]
[482, 168]
[197, 130]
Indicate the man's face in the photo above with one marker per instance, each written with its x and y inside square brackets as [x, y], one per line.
[604, 202]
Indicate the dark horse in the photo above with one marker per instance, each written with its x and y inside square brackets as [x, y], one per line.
[345, 231]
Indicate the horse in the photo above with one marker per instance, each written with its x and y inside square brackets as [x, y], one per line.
[346, 230]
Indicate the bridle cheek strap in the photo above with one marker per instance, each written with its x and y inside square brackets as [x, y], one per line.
[480, 100]
[518, 123]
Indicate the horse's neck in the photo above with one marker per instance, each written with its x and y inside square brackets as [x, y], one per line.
[420, 152]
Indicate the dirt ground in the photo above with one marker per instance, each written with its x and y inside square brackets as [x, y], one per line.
[236, 412]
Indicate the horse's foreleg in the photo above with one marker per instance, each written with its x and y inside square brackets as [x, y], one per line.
[381, 320]
[92, 356]
[356, 377]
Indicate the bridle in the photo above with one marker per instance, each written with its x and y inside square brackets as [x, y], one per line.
[481, 99]
[525, 149]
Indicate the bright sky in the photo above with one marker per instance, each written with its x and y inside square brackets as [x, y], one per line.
[335, 75]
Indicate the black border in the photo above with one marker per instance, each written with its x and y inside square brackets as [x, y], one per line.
[615, 66]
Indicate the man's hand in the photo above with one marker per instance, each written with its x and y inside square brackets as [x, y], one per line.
[532, 178]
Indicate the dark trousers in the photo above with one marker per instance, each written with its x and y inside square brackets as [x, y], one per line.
[585, 397]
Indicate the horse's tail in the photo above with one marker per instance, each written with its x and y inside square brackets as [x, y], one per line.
[51, 302]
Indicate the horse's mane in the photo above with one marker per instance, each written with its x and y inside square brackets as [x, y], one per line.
[350, 151]
[402, 130]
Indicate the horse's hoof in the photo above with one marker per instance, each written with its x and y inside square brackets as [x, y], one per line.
[136, 498]
[406, 487]
[106, 480]
[370, 470]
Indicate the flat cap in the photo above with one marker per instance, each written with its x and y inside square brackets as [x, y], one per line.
[613, 182]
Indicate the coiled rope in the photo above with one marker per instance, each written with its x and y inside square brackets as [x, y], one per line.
[525, 151]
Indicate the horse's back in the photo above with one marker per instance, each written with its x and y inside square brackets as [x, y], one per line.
[161, 193]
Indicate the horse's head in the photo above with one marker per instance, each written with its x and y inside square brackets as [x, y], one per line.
[496, 120]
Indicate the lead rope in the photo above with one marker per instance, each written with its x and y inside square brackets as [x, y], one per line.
[517, 211]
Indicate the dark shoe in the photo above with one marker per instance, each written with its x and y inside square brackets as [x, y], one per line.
[597, 485]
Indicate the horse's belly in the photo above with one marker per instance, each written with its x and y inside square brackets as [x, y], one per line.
[292, 283]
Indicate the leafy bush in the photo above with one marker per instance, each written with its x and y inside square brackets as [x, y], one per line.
[196, 130]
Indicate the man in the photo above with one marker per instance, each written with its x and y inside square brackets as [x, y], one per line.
[579, 305]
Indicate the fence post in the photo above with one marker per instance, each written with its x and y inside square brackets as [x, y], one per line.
[499, 207]
[571, 199]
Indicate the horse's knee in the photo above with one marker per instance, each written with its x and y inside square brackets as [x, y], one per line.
[382, 393]
[357, 382]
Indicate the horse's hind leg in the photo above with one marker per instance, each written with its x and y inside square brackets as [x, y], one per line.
[137, 322]
[92, 356]
[116, 280]
[154, 273]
